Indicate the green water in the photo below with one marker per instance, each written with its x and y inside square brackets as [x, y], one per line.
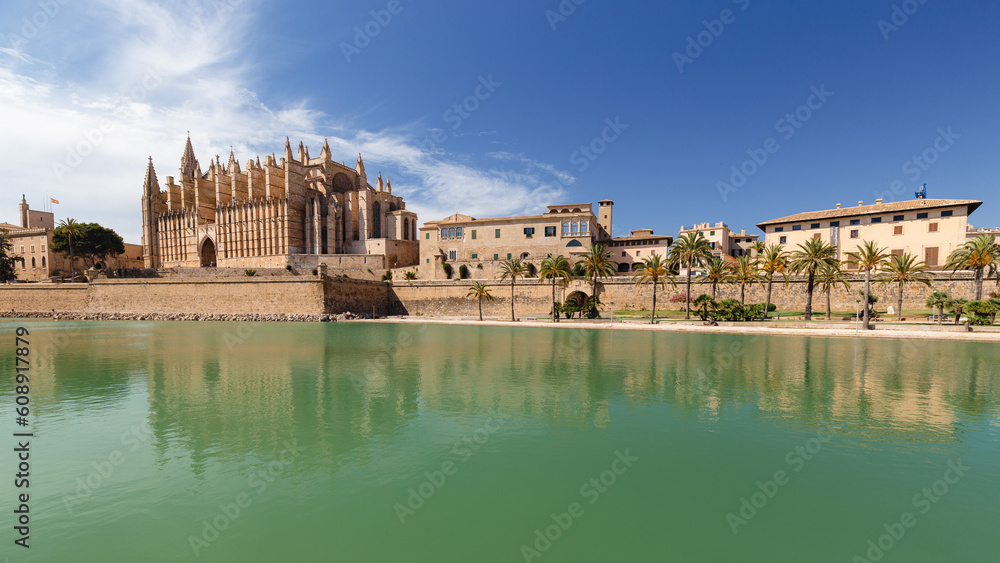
[321, 431]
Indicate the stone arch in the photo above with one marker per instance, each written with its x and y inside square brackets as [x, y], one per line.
[623, 268]
[573, 243]
[207, 253]
[342, 183]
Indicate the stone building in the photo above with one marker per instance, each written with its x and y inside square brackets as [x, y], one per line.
[927, 228]
[290, 211]
[725, 242]
[630, 252]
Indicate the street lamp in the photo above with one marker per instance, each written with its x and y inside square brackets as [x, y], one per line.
[857, 317]
[612, 313]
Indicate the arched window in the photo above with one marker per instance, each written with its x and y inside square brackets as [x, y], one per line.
[565, 228]
[43, 261]
[451, 232]
[33, 262]
[583, 228]
[377, 220]
[444, 233]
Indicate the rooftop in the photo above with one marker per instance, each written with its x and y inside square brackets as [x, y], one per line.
[875, 209]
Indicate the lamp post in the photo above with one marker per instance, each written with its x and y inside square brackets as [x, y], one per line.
[857, 317]
[612, 314]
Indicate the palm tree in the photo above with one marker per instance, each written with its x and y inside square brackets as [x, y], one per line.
[410, 275]
[71, 227]
[828, 277]
[512, 268]
[902, 269]
[688, 251]
[654, 270]
[980, 255]
[552, 268]
[811, 256]
[597, 264]
[716, 271]
[745, 272]
[480, 291]
[868, 257]
[758, 247]
[937, 301]
[775, 260]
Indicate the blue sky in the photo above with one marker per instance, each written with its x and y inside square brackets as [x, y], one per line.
[550, 77]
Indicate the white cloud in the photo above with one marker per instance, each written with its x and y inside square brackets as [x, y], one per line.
[154, 71]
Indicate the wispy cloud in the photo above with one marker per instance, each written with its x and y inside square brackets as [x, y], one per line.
[155, 70]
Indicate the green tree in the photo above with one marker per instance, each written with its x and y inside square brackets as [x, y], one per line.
[597, 264]
[90, 241]
[745, 272]
[653, 271]
[810, 257]
[868, 258]
[410, 275]
[979, 255]
[758, 248]
[957, 307]
[903, 269]
[688, 251]
[774, 261]
[556, 267]
[705, 302]
[828, 277]
[716, 272]
[7, 259]
[68, 228]
[512, 268]
[937, 301]
[480, 291]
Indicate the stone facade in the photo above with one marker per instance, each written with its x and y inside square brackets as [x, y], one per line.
[725, 242]
[285, 211]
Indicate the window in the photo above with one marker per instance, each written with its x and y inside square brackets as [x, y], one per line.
[576, 227]
[496, 256]
[779, 229]
[623, 253]
[475, 256]
[508, 255]
[854, 233]
[795, 228]
[897, 252]
[529, 231]
[931, 256]
[637, 252]
[451, 232]
[782, 240]
[32, 249]
[549, 256]
[834, 223]
[855, 221]
[932, 228]
[473, 234]
[712, 233]
[43, 261]
[428, 260]
[921, 215]
[427, 236]
[583, 228]
[876, 220]
[948, 213]
[497, 234]
[444, 233]
[897, 230]
[452, 255]
[816, 236]
[565, 228]
[458, 232]
[33, 262]
[550, 231]
[22, 249]
[814, 226]
[897, 217]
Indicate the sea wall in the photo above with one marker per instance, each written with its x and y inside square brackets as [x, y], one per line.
[43, 298]
[450, 297]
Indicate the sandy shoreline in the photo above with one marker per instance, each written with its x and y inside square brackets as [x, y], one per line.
[684, 327]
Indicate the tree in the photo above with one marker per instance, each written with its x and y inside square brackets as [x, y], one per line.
[903, 269]
[716, 272]
[745, 272]
[553, 268]
[597, 264]
[512, 268]
[653, 270]
[828, 277]
[410, 275]
[937, 301]
[7, 259]
[957, 307]
[688, 251]
[68, 228]
[89, 241]
[774, 260]
[758, 248]
[868, 257]
[810, 257]
[480, 291]
[704, 302]
[979, 255]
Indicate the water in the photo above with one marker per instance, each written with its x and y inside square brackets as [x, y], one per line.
[146, 432]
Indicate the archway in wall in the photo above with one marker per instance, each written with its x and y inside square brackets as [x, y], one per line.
[376, 220]
[208, 254]
[623, 268]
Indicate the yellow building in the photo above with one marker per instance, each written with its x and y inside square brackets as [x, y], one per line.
[927, 228]
[629, 252]
[725, 242]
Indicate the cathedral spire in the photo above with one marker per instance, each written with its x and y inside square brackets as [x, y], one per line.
[378, 182]
[360, 166]
[388, 185]
[288, 150]
[150, 185]
[234, 165]
[188, 161]
[325, 153]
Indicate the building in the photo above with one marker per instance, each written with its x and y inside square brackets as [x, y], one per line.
[725, 242]
[290, 211]
[927, 228]
[480, 244]
[972, 232]
[629, 252]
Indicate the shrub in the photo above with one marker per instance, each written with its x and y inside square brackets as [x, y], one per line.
[410, 275]
[463, 272]
[771, 307]
[315, 271]
[679, 298]
[479, 266]
[447, 269]
[532, 270]
[288, 267]
[250, 273]
[387, 276]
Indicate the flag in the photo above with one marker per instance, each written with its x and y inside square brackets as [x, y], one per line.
[53, 200]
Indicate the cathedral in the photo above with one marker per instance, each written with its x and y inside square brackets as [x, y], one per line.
[300, 211]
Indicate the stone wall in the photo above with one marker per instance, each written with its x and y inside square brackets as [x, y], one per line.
[43, 298]
[449, 298]
[343, 295]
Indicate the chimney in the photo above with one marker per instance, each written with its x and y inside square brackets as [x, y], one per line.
[878, 201]
[838, 206]
[860, 203]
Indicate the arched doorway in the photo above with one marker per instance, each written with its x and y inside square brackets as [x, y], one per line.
[208, 254]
